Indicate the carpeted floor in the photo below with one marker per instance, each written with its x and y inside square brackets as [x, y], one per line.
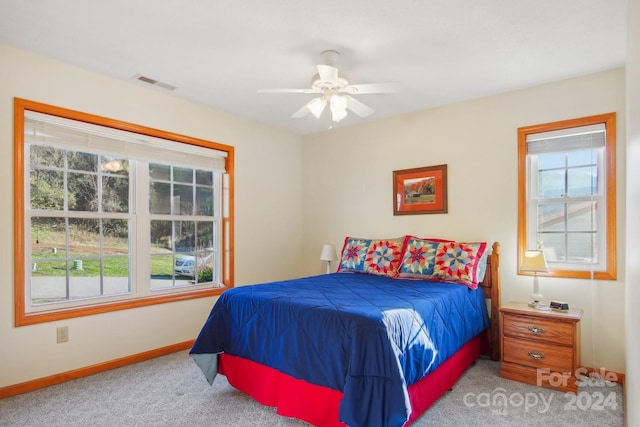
[171, 391]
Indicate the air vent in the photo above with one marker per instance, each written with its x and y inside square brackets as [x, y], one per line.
[154, 82]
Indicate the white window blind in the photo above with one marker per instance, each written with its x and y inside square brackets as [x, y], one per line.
[572, 139]
[65, 133]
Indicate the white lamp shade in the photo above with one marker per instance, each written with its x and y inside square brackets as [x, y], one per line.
[328, 253]
[338, 108]
[316, 106]
[534, 261]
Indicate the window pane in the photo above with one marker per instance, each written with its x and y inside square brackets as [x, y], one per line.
[84, 278]
[581, 247]
[581, 216]
[47, 189]
[183, 200]
[205, 235]
[161, 254]
[161, 232]
[204, 177]
[117, 275]
[82, 161]
[159, 172]
[551, 161]
[161, 271]
[554, 246]
[205, 266]
[185, 236]
[116, 266]
[551, 183]
[114, 166]
[82, 192]
[160, 198]
[183, 175]
[582, 158]
[204, 201]
[48, 239]
[84, 237]
[186, 270]
[49, 281]
[582, 181]
[551, 217]
[115, 194]
[46, 156]
[115, 236]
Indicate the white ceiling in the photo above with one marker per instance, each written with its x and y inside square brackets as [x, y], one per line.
[220, 52]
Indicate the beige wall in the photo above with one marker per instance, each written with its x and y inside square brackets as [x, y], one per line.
[347, 181]
[632, 386]
[265, 158]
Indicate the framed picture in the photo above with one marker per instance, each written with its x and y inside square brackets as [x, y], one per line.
[420, 190]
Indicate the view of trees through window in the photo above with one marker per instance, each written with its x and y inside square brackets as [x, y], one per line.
[78, 256]
[81, 236]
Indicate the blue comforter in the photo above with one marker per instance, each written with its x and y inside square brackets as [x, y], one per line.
[367, 336]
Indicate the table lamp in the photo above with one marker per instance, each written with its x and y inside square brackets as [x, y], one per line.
[328, 254]
[534, 261]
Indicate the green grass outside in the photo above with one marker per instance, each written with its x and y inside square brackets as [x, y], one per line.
[51, 262]
[56, 265]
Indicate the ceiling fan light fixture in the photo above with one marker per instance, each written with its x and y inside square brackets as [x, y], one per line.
[337, 116]
[338, 106]
[333, 88]
[316, 106]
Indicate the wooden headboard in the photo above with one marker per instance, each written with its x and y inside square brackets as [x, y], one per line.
[491, 287]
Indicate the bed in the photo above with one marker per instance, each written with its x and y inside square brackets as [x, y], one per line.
[369, 345]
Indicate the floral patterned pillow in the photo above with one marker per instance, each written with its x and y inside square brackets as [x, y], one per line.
[354, 253]
[458, 262]
[418, 259]
[384, 257]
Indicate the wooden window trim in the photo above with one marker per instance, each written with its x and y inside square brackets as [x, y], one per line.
[23, 318]
[609, 120]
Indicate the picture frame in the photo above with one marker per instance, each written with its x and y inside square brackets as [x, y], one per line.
[420, 190]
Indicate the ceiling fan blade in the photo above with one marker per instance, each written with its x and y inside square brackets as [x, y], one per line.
[300, 113]
[328, 74]
[389, 87]
[358, 107]
[286, 91]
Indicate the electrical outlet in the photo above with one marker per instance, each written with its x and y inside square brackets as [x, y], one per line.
[62, 333]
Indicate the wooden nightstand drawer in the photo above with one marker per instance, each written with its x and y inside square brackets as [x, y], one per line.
[538, 354]
[539, 344]
[539, 329]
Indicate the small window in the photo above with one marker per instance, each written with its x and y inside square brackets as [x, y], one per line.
[567, 196]
[111, 215]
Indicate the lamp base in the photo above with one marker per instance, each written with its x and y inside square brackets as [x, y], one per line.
[538, 306]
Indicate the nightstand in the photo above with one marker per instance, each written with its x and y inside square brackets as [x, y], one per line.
[540, 347]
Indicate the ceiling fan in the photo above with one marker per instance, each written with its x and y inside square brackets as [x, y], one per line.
[335, 90]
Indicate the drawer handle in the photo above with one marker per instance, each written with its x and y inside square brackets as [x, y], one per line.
[535, 355]
[536, 330]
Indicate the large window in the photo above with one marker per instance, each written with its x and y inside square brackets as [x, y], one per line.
[567, 195]
[111, 215]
